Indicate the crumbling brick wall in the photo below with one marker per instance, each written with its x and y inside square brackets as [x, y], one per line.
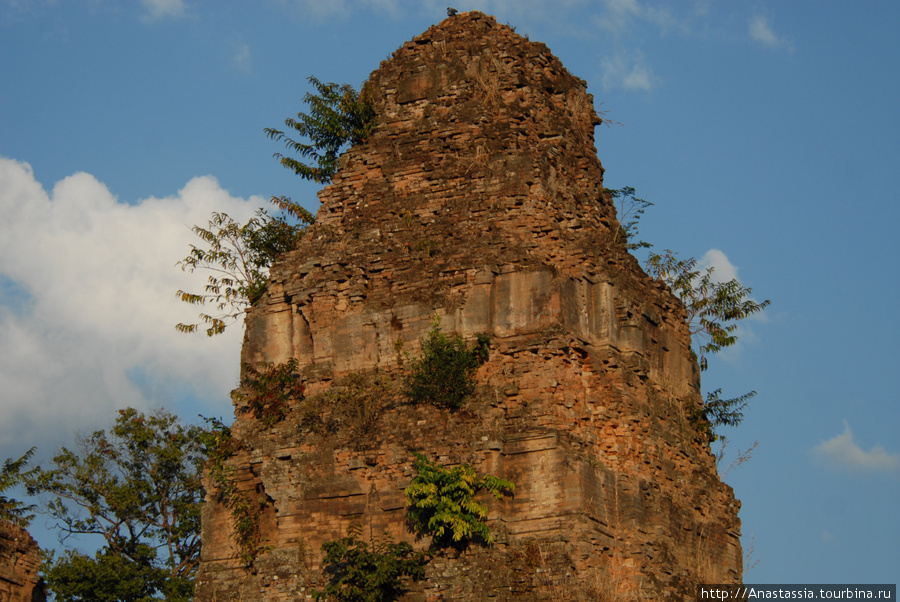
[20, 560]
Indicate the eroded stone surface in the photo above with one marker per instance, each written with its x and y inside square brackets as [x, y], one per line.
[20, 560]
[479, 199]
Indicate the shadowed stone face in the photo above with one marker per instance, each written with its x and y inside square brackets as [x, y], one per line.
[479, 199]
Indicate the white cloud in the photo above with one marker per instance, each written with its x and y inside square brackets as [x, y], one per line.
[243, 61]
[842, 452]
[759, 29]
[630, 73]
[619, 16]
[90, 327]
[160, 9]
[723, 269]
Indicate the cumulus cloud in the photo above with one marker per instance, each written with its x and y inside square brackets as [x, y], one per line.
[160, 9]
[723, 269]
[759, 29]
[843, 453]
[88, 306]
[631, 73]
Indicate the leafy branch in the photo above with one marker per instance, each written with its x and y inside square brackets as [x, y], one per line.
[441, 502]
[630, 211]
[13, 474]
[713, 308]
[338, 116]
[238, 257]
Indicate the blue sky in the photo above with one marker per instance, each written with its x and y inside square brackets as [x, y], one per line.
[767, 133]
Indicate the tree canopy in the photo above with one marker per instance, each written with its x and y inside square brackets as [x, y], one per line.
[338, 116]
[137, 487]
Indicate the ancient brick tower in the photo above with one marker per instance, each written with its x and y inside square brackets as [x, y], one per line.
[479, 199]
[20, 560]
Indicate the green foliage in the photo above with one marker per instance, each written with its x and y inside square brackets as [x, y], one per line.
[238, 257]
[630, 211]
[369, 571]
[12, 510]
[138, 487]
[338, 116]
[444, 375]
[718, 412]
[268, 394]
[441, 502]
[713, 308]
[111, 577]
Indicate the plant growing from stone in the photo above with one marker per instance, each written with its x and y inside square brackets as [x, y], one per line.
[630, 210]
[369, 571]
[338, 117]
[219, 446]
[444, 373]
[354, 402]
[441, 502]
[713, 309]
[268, 394]
[13, 474]
[238, 257]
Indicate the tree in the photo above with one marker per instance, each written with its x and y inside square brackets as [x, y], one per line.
[713, 308]
[630, 211]
[12, 474]
[238, 257]
[338, 116]
[138, 487]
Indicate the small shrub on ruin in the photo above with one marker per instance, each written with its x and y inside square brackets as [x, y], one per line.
[444, 375]
[372, 571]
[441, 502]
[268, 394]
